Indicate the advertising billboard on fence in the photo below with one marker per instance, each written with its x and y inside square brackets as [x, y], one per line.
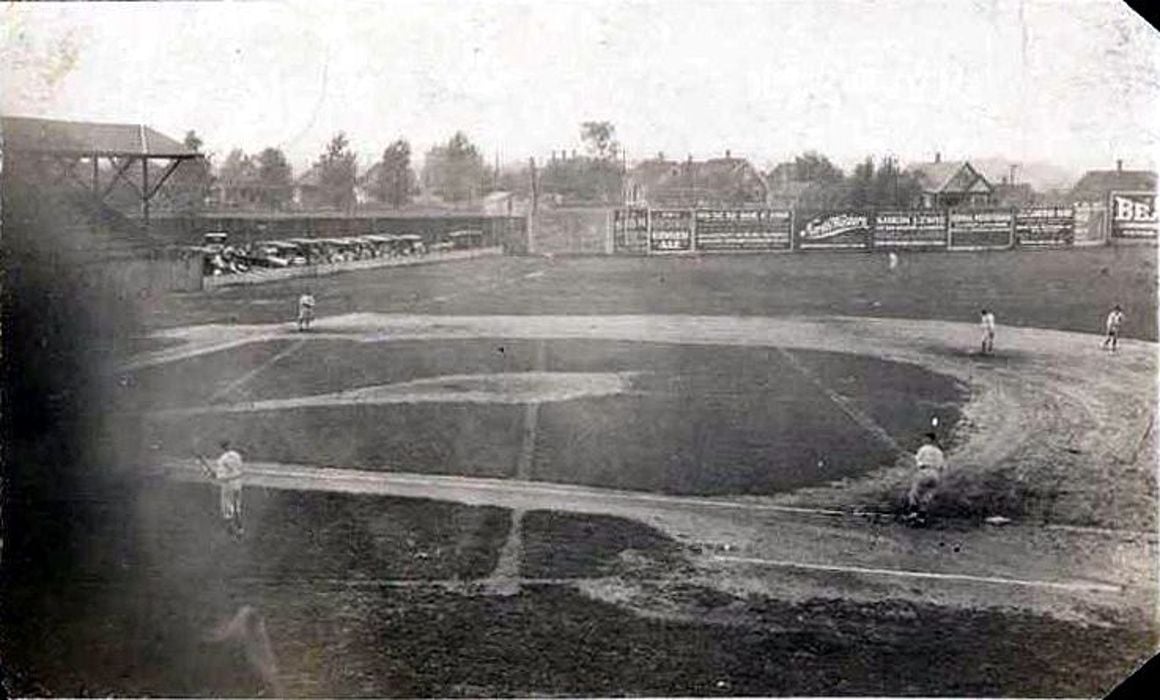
[978, 230]
[1091, 220]
[910, 229]
[738, 230]
[844, 230]
[670, 230]
[630, 230]
[1045, 226]
[1134, 215]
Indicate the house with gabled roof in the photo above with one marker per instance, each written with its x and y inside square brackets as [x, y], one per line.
[716, 182]
[953, 183]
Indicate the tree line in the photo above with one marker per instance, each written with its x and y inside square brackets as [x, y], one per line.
[456, 171]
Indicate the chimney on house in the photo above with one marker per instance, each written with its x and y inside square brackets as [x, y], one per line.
[660, 155]
[1119, 166]
[937, 157]
[728, 153]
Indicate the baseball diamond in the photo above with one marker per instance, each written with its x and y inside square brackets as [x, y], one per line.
[579, 349]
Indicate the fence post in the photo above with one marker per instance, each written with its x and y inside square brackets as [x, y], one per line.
[693, 230]
[1013, 240]
[793, 241]
[1109, 217]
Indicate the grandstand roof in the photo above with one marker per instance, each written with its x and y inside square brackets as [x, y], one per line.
[51, 136]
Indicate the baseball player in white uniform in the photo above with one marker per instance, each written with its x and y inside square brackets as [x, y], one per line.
[930, 463]
[1112, 327]
[305, 311]
[226, 470]
[987, 322]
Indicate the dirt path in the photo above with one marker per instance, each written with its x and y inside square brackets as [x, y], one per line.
[1051, 412]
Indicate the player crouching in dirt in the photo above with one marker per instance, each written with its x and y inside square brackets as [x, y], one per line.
[929, 463]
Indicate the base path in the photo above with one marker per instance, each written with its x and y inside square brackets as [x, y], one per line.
[1050, 410]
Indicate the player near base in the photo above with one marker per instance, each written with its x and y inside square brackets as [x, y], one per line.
[987, 323]
[1112, 328]
[226, 470]
[929, 463]
[305, 311]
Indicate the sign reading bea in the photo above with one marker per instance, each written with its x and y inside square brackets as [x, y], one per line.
[1134, 215]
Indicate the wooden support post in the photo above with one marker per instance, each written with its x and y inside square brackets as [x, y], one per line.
[145, 190]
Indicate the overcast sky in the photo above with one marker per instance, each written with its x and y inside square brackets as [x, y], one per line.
[1075, 83]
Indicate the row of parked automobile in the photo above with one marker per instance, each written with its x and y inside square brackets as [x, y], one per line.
[222, 258]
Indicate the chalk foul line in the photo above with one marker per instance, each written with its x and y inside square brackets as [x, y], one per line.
[1074, 586]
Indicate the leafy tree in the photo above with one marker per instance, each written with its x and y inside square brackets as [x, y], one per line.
[811, 166]
[595, 177]
[189, 185]
[455, 171]
[238, 179]
[862, 184]
[600, 140]
[395, 180]
[192, 141]
[894, 188]
[274, 178]
[336, 173]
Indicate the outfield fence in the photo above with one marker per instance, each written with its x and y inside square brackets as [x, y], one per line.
[673, 231]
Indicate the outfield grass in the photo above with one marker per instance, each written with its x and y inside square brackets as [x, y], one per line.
[1061, 289]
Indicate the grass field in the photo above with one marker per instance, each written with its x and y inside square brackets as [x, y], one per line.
[727, 455]
[1062, 289]
[696, 420]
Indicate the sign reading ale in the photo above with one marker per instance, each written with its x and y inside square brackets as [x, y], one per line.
[670, 230]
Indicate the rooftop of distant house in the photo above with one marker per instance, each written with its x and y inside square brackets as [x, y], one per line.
[1096, 184]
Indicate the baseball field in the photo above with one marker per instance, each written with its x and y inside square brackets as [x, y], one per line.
[636, 476]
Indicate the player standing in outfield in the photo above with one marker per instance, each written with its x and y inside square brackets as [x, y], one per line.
[930, 463]
[227, 472]
[305, 311]
[1115, 320]
[987, 320]
[893, 260]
